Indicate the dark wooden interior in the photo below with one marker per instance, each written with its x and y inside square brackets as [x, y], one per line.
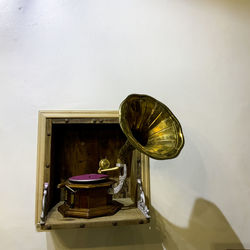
[77, 149]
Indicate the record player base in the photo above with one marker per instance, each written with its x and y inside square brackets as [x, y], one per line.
[110, 209]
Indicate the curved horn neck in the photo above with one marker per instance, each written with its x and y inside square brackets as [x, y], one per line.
[124, 152]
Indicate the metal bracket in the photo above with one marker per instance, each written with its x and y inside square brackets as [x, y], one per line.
[141, 203]
[45, 194]
[122, 178]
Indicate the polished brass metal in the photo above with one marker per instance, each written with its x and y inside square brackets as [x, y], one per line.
[104, 166]
[150, 127]
[100, 171]
[104, 163]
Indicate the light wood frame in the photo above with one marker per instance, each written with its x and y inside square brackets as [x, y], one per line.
[43, 161]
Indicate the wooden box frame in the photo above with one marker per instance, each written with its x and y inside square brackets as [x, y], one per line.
[54, 220]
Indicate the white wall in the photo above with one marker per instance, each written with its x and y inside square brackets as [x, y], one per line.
[192, 55]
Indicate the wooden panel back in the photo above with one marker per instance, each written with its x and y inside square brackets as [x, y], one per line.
[77, 149]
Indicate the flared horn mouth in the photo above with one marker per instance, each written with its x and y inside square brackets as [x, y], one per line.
[151, 127]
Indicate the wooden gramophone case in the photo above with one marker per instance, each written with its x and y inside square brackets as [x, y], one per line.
[72, 143]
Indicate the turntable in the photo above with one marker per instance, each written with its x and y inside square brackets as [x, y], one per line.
[88, 196]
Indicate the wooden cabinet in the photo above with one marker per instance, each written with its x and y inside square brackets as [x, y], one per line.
[72, 143]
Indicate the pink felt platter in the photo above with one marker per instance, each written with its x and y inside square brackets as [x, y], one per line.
[88, 177]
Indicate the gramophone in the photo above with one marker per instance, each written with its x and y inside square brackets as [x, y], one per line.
[151, 128]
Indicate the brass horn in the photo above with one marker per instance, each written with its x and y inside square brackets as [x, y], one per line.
[150, 127]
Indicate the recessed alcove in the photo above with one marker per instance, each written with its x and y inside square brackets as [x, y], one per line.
[72, 143]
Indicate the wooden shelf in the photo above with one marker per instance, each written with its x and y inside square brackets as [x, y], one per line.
[126, 216]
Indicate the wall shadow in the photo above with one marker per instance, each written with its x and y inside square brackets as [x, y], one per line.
[208, 229]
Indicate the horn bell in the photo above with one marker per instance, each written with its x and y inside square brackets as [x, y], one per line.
[151, 127]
